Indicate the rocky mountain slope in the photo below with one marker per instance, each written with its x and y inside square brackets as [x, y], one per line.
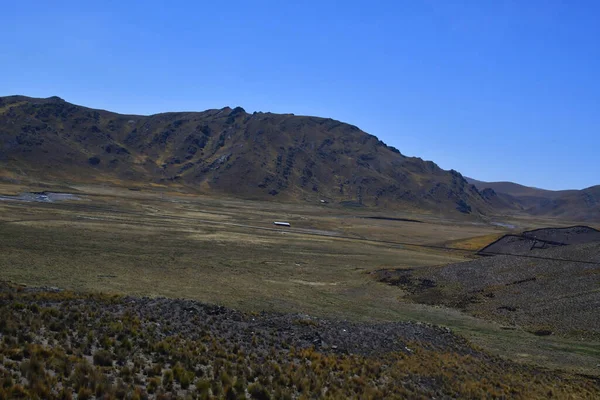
[581, 205]
[259, 155]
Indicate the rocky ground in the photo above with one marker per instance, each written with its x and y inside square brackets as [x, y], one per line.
[553, 291]
[56, 344]
[536, 241]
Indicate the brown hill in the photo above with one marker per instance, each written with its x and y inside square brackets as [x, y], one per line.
[579, 205]
[519, 191]
[259, 155]
[582, 205]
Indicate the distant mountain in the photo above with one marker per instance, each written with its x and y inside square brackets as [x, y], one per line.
[581, 205]
[228, 151]
[516, 190]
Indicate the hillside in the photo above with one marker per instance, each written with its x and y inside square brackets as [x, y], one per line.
[581, 205]
[519, 191]
[256, 156]
[554, 291]
[61, 345]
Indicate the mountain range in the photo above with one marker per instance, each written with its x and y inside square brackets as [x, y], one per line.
[257, 155]
[576, 205]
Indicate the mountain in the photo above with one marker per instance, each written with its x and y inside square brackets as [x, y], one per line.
[577, 205]
[228, 151]
[519, 191]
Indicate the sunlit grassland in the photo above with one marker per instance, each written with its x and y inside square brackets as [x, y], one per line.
[226, 251]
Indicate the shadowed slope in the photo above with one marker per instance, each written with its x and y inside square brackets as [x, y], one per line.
[260, 155]
[576, 205]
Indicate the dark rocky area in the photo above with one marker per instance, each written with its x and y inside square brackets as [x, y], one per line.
[531, 242]
[552, 290]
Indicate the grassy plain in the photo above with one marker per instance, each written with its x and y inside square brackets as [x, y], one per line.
[159, 242]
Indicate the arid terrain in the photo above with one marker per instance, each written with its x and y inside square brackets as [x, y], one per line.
[264, 156]
[554, 292]
[139, 259]
[303, 285]
[60, 344]
[300, 200]
[258, 156]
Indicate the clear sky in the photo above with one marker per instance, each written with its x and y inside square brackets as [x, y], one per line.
[496, 89]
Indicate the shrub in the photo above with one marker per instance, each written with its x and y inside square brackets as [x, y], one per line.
[103, 358]
[186, 380]
[81, 375]
[7, 382]
[84, 394]
[18, 392]
[203, 388]
[153, 385]
[126, 374]
[178, 372]
[257, 391]
[167, 378]
[230, 393]
[65, 394]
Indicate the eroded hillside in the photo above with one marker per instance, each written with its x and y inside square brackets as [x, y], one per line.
[259, 155]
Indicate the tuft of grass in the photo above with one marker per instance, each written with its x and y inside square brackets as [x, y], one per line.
[103, 358]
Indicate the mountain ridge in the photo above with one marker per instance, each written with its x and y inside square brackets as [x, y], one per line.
[577, 205]
[516, 189]
[262, 156]
[258, 155]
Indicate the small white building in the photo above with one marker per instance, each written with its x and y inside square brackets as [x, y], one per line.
[281, 223]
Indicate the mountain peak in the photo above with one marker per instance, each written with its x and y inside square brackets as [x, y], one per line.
[55, 99]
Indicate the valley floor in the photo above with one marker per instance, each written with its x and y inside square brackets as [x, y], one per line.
[156, 242]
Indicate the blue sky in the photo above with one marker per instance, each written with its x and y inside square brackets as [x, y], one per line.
[496, 89]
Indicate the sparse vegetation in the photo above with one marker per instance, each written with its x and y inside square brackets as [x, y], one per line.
[187, 349]
[545, 296]
[222, 251]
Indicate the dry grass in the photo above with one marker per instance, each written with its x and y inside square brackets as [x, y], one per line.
[226, 251]
[61, 345]
[474, 243]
